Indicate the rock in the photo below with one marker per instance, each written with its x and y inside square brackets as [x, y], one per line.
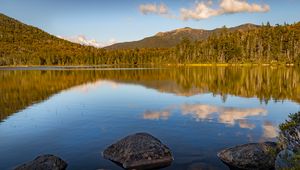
[284, 160]
[290, 139]
[250, 156]
[139, 151]
[44, 162]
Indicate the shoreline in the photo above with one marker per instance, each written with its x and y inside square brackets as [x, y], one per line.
[152, 65]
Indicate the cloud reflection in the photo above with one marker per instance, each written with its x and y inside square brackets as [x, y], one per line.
[226, 115]
[164, 115]
[199, 111]
[85, 88]
[246, 125]
[231, 115]
[270, 131]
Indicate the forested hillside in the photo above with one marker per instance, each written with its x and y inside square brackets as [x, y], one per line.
[21, 44]
[264, 45]
[173, 38]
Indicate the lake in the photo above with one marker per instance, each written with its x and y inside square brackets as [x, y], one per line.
[76, 113]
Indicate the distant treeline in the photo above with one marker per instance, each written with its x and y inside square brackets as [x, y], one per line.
[21, 44]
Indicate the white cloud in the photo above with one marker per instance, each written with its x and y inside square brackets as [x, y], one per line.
[108, 43]
[81, 39]
[235, 6]
[206, 9]
[200, 11]
[161, 9]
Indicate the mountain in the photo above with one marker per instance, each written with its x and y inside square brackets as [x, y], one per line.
[13, 32]
[23, 44]
[81, 39]
[172, 38]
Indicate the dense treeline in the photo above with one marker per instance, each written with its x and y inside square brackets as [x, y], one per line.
[20, 89]
[263, 45]
[21, 44]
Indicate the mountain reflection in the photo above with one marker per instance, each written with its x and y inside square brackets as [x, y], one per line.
[20, 89]
[92, 86]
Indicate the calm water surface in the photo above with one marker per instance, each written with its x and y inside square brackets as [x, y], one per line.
[75, 114]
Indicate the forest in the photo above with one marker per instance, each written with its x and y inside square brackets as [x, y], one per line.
[21, 44]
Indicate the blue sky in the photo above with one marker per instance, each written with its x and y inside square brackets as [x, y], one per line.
[124, 20]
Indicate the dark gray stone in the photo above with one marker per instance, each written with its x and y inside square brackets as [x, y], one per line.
[139, 151]
[250, 156]
[44, 162]
[284, 160]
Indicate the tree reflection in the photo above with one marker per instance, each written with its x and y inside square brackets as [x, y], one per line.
[20, 89]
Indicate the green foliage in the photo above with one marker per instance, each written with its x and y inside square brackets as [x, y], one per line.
[296, 160]
[262, 45]
[273, 151]
[21, 44]
[294, 120]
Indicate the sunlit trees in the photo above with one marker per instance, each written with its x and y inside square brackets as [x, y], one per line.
[262, 45]
[21, 44]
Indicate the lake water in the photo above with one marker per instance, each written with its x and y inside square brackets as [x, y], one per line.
[77, 113]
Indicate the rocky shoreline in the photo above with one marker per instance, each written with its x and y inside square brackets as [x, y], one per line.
[143, 151]
[269, 155]
[250, 156]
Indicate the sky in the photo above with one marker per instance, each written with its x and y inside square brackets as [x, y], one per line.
[102, 22]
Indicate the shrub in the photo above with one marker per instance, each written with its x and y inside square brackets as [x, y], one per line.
[294, 120]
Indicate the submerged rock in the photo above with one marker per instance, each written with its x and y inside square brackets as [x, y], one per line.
[44, 162]
[139, 151]
[284, 160]
[202, 166]
[250, 156]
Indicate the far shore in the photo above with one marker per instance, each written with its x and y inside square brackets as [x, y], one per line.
[147, 65]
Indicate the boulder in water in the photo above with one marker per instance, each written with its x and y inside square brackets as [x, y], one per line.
[139, 151]
[44, 162]
[250, 156]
